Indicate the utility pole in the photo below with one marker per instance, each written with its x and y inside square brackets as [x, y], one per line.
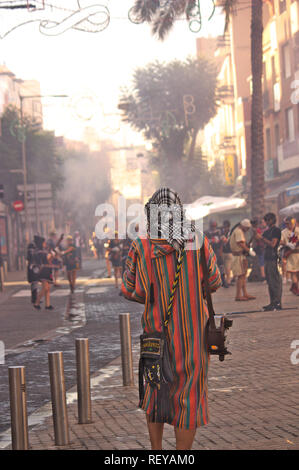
[24, 157]
[24, 164]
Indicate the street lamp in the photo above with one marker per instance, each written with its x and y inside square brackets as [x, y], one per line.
[24, 159]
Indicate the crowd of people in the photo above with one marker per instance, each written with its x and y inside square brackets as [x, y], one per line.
[46, 259]
[262, 243]
[114, 251]
[272, 253]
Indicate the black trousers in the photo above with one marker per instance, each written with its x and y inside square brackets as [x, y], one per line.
[274, 281]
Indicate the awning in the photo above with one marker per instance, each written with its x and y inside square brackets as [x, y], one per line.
[290, 210]
[290, 187]
[293, 189]
[207, 205]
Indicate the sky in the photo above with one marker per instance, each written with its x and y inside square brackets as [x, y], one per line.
[90, 67]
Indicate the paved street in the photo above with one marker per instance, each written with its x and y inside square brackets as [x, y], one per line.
[253, 394]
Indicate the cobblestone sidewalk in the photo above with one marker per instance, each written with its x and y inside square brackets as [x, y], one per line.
[253, 394]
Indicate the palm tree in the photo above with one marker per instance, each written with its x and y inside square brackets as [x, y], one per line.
[161, 14]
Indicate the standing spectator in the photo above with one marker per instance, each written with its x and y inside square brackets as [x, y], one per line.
[92, 247]
[99, 247]
[71, 262]
[282, 260]
[125, 251]
[56, 261]
[258, 270]
[78, 245]
[240, 251]
[106, 256]
[45, 275]
[115, 256]
[215, 240]
[227, 252]
[271, 237]
[32, 269]
[290, 240]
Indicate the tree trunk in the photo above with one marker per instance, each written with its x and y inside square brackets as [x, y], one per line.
[257, 137]
[193, 144]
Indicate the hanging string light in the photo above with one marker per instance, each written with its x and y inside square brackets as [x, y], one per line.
[96, 18]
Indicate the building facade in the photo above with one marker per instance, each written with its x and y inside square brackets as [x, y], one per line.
[227, 135]
[281, 108]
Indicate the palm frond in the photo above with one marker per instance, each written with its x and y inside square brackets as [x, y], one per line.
[228, 8]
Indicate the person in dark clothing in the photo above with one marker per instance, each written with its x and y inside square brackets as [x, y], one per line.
[115, 256]
[43, 261]
[32, 269]
[271, 238]
[71, 262]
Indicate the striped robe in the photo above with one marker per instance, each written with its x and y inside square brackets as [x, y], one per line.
[154, 261]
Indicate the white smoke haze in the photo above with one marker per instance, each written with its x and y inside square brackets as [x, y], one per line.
[86, 184]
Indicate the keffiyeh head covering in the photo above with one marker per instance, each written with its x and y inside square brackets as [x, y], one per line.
[166, 218]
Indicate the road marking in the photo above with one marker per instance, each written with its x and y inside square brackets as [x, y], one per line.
[60, 293]
[97, 290]
[23, 293]
[56, 293]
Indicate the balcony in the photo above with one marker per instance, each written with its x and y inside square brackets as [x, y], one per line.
[225, 92]
[223, 41]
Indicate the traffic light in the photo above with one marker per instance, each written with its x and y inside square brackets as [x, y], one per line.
[1, 191]
[20, 195]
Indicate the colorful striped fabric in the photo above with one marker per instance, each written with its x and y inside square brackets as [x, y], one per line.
[154, 261]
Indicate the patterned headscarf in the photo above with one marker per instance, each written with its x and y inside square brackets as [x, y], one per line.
[166, 218]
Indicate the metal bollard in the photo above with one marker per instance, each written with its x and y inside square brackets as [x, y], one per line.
[83, 381]
[58, 395]
[18, 408]
[126, 349]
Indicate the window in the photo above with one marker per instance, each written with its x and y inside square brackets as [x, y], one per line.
[286, 60]
[273, 36]
[276, 96]
[290, 128]
[276, 137]
[268, 144]
[282, 6]
[294, 17]
[265, 75]
[273, 68]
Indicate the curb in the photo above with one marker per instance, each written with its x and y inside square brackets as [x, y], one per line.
[41, 414]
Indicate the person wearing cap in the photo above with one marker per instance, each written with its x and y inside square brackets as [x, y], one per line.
[71, 262]
[240, 251]
[271, 238]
